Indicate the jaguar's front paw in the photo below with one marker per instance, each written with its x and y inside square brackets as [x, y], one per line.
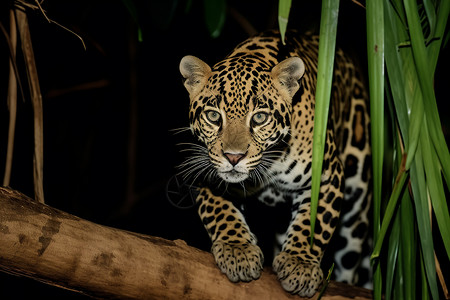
[239, 261]
[296, 276]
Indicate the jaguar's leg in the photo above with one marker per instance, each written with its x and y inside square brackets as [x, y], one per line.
[298, 264]
[234, 246]
[351, 238]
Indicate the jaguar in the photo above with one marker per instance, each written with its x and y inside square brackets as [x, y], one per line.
[252, 115]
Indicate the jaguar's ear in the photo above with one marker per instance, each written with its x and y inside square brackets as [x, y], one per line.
[287, 74]
[195, 72]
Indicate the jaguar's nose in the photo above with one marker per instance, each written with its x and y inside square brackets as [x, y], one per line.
[234, 158]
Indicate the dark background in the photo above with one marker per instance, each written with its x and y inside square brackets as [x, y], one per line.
[88, 131]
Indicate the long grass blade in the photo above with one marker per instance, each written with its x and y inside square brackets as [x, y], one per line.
[435, 188]
[431, 110]
[442, 12]
[284, 7]
[392, 263]
[419, 189]
[392, 256]
[215, 14]
[375, 57]
[398, 283]
[425, 74]
[375, 49]
[432, 128]
[408, 97]
[423, 277]
[327, 46]
[408, 245]
[431, 17]
[132, 10]
[398, 72]
[390, 211]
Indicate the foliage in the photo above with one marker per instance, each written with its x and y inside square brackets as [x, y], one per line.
[421, 157]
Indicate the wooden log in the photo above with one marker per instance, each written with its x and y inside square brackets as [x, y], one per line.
[60, 249]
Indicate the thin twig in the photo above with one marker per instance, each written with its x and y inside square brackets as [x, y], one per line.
[36, 99]
[441, 277]
[97, 84]
[23, 4]
[12, 98]
[56, 23]
[13, 60]
[358, 3]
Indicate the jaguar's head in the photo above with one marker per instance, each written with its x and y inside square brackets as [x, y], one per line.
[239, 110]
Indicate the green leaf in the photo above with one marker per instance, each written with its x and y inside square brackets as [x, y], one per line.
[375, 48]
[431, 16]
[432, 127]
[398, 284]
[327, 46]
[435, 188]
[415, 125]
[425, 72]
[419, 188]
[423, 277]
[284, 7]
[443, 11]
[375, 57]
[407, 91]
[389, 213]
[408, 246]
[325, 283]
[392, 255]
[397, 70]
[397, 7]
[215, 12]
[129, 4]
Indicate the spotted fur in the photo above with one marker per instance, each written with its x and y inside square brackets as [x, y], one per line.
[253, 113]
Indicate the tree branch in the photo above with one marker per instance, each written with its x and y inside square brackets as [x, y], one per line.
[57, 248]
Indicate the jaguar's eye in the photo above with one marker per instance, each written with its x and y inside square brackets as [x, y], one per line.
[213, 116]
[259, 118]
